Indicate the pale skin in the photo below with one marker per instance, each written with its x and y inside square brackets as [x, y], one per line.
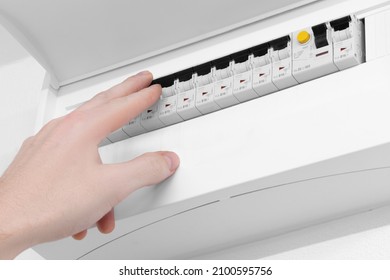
[57, 185]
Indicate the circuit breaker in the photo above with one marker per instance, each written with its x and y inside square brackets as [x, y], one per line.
[313, 53]
[348, 42]
[186, 93]
[262, 70]
[281, 55]
[242, 82]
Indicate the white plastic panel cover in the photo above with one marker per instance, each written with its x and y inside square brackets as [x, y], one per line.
[77, 39]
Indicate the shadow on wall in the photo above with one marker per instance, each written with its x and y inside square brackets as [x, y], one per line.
[10, 49]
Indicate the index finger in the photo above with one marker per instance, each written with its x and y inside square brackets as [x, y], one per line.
[106, 118]
[127, 87]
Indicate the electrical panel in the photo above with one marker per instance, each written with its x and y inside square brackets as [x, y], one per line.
[303, 55]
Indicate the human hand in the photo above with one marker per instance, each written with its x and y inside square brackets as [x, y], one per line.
[57, 185]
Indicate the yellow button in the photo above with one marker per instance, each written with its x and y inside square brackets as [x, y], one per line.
[303, 37]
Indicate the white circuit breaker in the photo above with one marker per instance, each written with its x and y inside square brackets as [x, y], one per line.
[313, 53]
[204, 97]
[168, 102]
[348, 42]
[262, 70]
[281, 55]
[186, 107]
[223, 83]
[242, 82]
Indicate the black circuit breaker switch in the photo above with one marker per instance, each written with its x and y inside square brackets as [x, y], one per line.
[280, 43]
[185, 80]
[221, 63]
[341, 23]
[260, 50]
[168, 85]
[320, 35]
[203, 69]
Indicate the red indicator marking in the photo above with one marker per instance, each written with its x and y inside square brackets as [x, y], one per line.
[222, 87]
[186, 99]
[323, 53]
[242, 81]
[261, 74]
[204, 93]
[149, 111]
[343, 49]
[281, 68]
[167, 105]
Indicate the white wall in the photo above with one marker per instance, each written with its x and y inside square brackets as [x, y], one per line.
[362, 236]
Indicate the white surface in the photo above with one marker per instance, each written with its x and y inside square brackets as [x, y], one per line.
[374, 239]
[76, 39]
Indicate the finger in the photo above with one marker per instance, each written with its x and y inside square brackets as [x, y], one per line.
[145, 170]
[81, 235]
[107, 223]
[130, 85]
[107, 118]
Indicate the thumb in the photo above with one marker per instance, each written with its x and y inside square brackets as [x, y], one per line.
[145, 170]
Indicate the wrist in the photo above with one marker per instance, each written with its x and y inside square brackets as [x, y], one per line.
[14, 235]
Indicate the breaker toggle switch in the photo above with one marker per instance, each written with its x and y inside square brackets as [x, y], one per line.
[186, 81]
[242, 81]
[320, 35]
[314, 58]
[348, 42]
[262, 70]
[167, 84]
[282, 63]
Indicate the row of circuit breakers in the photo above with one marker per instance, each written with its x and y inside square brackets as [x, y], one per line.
[287, 61]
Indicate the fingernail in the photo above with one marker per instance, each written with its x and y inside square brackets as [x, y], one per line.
[173, 160]
[144, 73]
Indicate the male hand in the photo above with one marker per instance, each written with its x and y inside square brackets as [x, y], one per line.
[57, 185]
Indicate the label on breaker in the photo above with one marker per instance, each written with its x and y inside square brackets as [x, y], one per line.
[243, 90]
[282, 75]
[205, 99]
[168, 114]
[150, 119]
[348, 53]
[223, 93]
[186, 105]
[262, 80]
